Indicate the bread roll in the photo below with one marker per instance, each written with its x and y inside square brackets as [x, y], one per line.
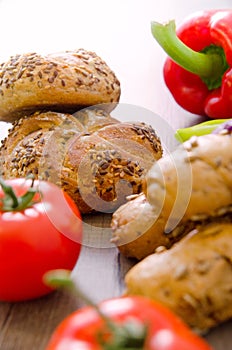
[23, 149]
[193, 278]
[135, 230]
[95, 158]
[110, 164]
[93, 119]
[63, 82]
[190, 186]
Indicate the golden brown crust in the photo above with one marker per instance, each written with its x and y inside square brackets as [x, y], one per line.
[38, 121]
[93, 119]
[208, 162]
[98, 164]
[130, 221]
[183, 189]
[22, 150]
[193, 278]
[63, 82]
[110, 164]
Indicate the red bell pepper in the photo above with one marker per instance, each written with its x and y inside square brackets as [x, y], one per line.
[198, 71]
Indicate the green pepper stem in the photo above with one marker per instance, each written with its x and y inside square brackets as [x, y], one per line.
[200, 129]
[207, 65]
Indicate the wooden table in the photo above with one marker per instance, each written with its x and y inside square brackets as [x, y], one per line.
[119, 31]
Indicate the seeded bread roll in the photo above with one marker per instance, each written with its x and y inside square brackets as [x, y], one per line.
[22, 150]
[110, 164]
[193, 278]
[95, 158]
[63, 82]
[193, 185]
[93, 119]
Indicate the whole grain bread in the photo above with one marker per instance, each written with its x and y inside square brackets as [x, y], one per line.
[98, 160]
[193, 278]
[190, 186]
[64, 82]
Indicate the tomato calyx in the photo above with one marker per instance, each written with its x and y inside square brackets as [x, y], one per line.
[127, 335]
[12, 202]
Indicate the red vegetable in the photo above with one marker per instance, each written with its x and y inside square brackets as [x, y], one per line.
[40, 230]
[198, 72]
[131, 323]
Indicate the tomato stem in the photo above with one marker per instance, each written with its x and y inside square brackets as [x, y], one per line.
[11, 202]
[61, 278]
[130, 335]
[10, 195]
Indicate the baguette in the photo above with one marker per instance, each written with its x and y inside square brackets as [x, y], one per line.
[96, 159]
[64, 82]
[188, 187]
[193, 278]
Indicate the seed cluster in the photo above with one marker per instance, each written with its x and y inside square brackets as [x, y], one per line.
[85, 69]
[12, 132]
[17, 67]
[114, 174]
[109, 167]
[26, 154]
[147, 132]
[27, 84]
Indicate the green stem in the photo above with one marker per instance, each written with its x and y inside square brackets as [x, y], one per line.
[11, 202]
[61, 278]
[127, 336]
[209, 65]
[9, 194]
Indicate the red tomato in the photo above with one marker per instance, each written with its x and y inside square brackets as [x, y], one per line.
[46, 235]
[82, 328]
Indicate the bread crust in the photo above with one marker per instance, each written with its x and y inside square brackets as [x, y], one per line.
[193, 278]
[63, 82]
[208, 161]
[183, 189]
[93, 157]
[133, 219]
[108, 165]
[22, 150]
